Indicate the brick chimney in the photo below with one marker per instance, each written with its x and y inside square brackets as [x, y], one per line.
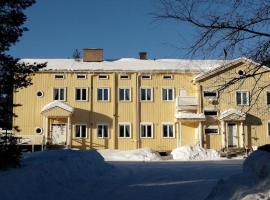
[143, 55]
[92, 55]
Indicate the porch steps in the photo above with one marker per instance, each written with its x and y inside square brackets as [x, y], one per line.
[233, 152]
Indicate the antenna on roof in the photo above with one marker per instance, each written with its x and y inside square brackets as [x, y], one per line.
[76, 55]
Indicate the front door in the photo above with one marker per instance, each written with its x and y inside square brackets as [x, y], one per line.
[59, 134]
[232, 135]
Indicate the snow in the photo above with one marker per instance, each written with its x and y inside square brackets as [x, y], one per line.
[59, 104]
[129, 64]
[232, 111]
[188, 153]
[189, 115]
[252, 183]
[145, 154]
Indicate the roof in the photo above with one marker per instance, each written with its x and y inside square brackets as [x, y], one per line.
[59, 104]
[232, 111]
[129, 64]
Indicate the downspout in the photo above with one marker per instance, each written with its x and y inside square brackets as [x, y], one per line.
[115, 110]
[91, 111]
[137, 141]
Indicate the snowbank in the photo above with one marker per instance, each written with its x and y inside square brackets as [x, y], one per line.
[144, 154]
[51, 174]
[252, 183]
[187, 153]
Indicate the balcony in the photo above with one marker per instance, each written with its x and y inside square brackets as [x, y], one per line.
[186, 103]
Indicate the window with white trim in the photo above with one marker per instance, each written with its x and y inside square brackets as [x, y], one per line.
[124, 130]
[59, 94]
[146, 130]
[210, 93]
[103, 77]
[124, 94]
[210, 112]
[80, 131]
[167, 94]
[103, 94]
[211, 130]
[242, 97]
[167, 131]
[168, 77]
[81, 94]
[124, 76]
[102, 131]
[59, 76]
[268, 98]
[146, 77]
[146, 94]
[81, 76]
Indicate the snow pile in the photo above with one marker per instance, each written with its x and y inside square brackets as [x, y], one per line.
[187, 153]
[145, 154]
[43, 175]
[252, 183]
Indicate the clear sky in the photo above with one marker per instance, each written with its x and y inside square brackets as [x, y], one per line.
[121, 27]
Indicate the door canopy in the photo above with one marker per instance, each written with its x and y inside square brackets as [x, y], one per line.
[233, 114]
[57, 108]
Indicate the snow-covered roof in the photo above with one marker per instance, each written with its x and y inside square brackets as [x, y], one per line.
[58, 104]
[129, 64]
[232, 111]
[189, 115]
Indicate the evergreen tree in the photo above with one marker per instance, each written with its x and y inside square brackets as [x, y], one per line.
[13, 75]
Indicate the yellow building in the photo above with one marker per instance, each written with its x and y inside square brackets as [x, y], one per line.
[134, 103]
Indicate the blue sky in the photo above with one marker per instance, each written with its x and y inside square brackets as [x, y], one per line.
[121, 27]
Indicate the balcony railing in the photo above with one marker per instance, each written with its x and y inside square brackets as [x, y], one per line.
[186, 103]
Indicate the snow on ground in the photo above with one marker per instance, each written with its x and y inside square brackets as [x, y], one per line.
[70, 175]
[187, 153]
[145, 154]
[252, 183]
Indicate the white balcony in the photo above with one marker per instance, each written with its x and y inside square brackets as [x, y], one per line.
[186, 103]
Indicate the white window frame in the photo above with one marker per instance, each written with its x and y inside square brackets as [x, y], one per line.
[124, 124]
[103, 88]
[86, 131]
[167, 88]
[63, 76]
[106, 77]
[126, 78]
[242, 91]
[144, 77]
[168, 124]
[108, 131]
[167, 77]
[267, 91]
[211, 127]
[147, 88]
[147, 124]
[65, 93]
[210, 96]
[85, 76]
[81, 88]
[124, 88]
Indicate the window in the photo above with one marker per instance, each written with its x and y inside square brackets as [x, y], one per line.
[167, 131]
[242, 98]
[146, 94]
[81, 94]
[209, 93]
[167, 94]
[103, 76]
[80, 131]
[124, 76]
[59, 94]
[268, 128]
[102, 131]
[146, 77]
[211, 130]
[124, 130]
[167, 77]
[210, 112]
[268, 98]
[81, 76]
[59, 76]
[146, 130]
[124, 94]
[103, 94]
[40, 93]
[38, 130]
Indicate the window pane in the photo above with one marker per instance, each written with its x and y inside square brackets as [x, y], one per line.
[143, 133]
[77, 132]
[244, 98]
[121, 131]
[127, 131]
[238, 97]
[99, 97]
[127, 94]
[99, 131]
[84, 94]
[143, 95]
[164, 94]
[148, 94]
[106, 94]
[55, 94]
[105, 131]
[165, 131]
[268, 98]
[149, 131]
[78, 94]
[83, 129]
[62, 94]
[170, 130]
[170, 95]
[268, 128]
[122, 95]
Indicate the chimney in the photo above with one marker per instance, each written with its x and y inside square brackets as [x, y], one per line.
[143, 55]
[92, 55]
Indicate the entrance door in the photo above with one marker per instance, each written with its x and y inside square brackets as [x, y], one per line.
[59, 134]
[232, 135]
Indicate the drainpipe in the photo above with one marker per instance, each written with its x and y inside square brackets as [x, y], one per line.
[91, 99]
[137, 141]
